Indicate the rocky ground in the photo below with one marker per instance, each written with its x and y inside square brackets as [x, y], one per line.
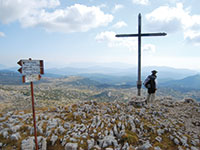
[163, 125]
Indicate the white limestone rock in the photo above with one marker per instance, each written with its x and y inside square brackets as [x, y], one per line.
[90, 144]
[108, 141]
[48, 133]
[184, 141]
[67, 125]
[125, 147]
[15, 136]
[28, 144]
[53, 139]
[160, 132]
[71, 146]
[2, 118]
[194, 148]
[157, 148]
[52, 124]
[5, 134]
[73, 140]
[39, 129]
[176, 141]
[61, 129]
[158, 138]
[44, 144]
[145, 146]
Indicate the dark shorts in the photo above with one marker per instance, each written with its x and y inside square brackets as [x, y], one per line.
[150, 91]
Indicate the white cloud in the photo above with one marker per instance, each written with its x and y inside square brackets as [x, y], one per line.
[12, 10]
[129, 43]
[173, 1]
[192, 36]
[119, 24]
[72, 19]
[166, 18]
[141, 2]
[172, 19]
[103, 6]
[2, 34]
[112, 41]
[117, 7]
[149, 48]
[43, 13]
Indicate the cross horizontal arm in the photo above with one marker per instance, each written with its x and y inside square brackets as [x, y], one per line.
[143, 34]
[154, 34]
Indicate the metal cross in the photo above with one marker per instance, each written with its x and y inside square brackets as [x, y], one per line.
[139, 35]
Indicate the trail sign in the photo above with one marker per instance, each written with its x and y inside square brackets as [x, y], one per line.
[31, 78]
[31, 69]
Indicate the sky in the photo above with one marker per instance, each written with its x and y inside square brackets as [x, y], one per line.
[69, 32]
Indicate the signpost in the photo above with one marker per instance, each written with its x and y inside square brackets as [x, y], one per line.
[31, 71]
[139, 35]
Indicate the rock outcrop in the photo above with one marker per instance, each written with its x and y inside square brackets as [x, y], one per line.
[164, 124]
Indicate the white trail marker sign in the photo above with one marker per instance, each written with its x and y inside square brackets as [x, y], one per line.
[31, 71]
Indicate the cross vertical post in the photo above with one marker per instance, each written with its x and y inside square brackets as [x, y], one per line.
[139, 35]
[139, 82]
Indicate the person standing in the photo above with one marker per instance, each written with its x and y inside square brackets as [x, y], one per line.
[150, 84]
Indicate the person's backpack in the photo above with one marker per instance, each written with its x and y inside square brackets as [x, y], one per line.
[147, 82]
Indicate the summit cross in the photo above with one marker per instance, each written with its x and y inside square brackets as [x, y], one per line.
[139, 35]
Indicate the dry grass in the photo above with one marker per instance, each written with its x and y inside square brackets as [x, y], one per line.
[130, 137]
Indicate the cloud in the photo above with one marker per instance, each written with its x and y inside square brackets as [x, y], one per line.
[173, 19]
[149, 48]
[119, 24]
[75, 18]
[2, 34]
[112, 41]
[141, 2]
[166, 18]
[128, 43]
[117, 7]
[12, 10]
[192, 37]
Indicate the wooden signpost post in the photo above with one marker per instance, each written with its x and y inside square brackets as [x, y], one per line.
[31, 71]
[139, 35]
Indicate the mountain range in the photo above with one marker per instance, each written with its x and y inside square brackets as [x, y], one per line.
[188, 83]
[164, 72]
[180, 79]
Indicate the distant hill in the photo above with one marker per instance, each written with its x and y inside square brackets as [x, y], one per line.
[83, 82]
[2, 67]
[111, 79]
[176, 88]
[169, 72]
[123, 71]
[167, 77]
[10, 77]
[188, 83]
[164, 73]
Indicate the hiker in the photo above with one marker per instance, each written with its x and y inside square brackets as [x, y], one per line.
[150, 84]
